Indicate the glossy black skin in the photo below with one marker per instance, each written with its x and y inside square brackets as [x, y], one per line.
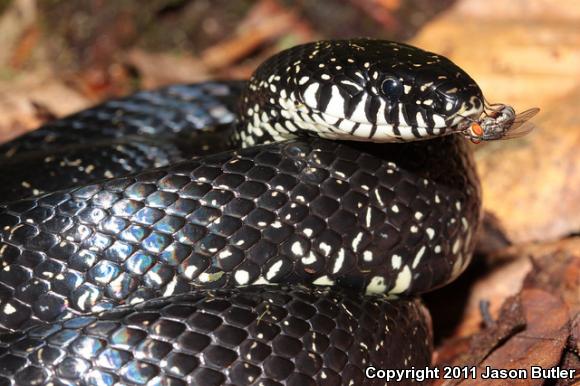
[113, 242]
[250, 336]
[120, 137]
[63, 252]
[43, 273]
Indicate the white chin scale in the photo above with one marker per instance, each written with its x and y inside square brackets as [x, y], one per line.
[329, 127]
[383, 134]
[325, 125]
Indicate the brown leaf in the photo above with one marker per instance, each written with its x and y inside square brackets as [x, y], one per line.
[559, 273]
[153, 68]
[571, 357]
[530, 9]
[532, 185]
[477, 348]
[549, 302]
[501, 275]
[268, 20]
[381, 11]
[18, 18]
[23, 50]
[540, 344]
[517, 53]
[496, 287]
[32, 100]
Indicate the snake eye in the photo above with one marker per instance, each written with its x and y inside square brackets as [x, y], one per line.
[392, 88]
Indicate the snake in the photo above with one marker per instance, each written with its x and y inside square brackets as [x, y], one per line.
[274, 231]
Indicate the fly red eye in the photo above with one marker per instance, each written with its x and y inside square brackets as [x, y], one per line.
[476, 129]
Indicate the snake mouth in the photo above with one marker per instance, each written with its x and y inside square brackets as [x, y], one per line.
[330, 125]
[462, 122]
[362, 114]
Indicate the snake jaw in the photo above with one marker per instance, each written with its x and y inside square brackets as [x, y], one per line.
[336, 128]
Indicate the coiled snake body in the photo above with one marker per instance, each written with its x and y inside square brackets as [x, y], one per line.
[105, 209]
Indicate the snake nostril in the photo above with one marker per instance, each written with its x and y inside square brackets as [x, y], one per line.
[443, 103]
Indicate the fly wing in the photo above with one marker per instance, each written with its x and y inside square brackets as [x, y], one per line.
[522, 129]
[521, 125]
[523, 117]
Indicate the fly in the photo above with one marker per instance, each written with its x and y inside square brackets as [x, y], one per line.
[500, 122]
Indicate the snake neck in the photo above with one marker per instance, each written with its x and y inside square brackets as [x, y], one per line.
[267, 115]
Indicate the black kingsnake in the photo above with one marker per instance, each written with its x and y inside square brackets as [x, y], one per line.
[338, 223]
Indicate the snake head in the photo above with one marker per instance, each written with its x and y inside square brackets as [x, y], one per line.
[365, 90]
